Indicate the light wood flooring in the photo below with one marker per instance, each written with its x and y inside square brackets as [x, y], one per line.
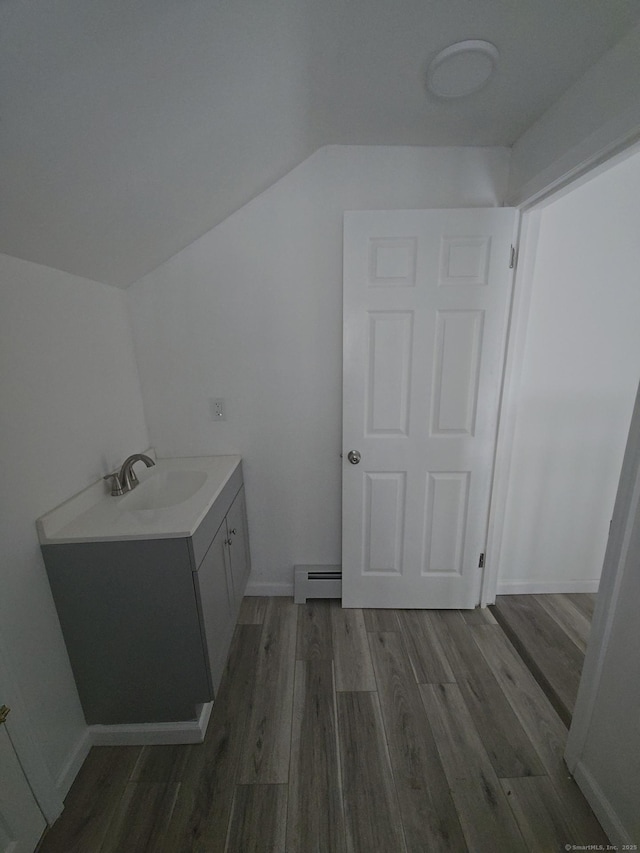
[550, 633]
[346, 730]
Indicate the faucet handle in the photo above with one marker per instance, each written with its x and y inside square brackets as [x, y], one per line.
[116, 485]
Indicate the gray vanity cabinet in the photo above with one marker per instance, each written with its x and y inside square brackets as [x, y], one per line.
[148, 622]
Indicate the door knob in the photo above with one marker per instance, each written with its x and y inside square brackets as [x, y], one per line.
[354, 456]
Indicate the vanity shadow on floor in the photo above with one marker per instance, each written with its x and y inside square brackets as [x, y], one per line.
[346, 730]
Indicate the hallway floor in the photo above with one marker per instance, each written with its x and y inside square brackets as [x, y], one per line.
[369, 731]
[550, 633]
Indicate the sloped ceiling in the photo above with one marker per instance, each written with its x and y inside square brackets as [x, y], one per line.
[128, 128]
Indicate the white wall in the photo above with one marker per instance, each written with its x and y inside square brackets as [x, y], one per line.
[252, 312]
[71, 410]
[577, 384]
[595, 118]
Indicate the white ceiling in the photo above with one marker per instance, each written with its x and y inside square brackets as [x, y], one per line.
[128, 129]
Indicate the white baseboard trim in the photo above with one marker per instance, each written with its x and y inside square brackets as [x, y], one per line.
[262, 590]
[145, 734]
[545, 587]
[74, 762]
[602, 807]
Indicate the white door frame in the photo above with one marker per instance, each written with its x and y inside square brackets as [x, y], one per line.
[33, 764]
[531, 210]
[512, 371]
[619, 561]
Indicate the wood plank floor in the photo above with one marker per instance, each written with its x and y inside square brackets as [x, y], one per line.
[343, 731]
[550, 633]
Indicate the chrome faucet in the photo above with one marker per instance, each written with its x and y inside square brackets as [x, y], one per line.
[125, 480]
[127, 476]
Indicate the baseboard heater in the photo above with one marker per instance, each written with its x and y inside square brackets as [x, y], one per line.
[316, 582]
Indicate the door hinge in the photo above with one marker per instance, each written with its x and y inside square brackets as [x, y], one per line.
[481, 562]
[512, 257]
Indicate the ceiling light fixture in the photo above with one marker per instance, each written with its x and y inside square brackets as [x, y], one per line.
[462, 68]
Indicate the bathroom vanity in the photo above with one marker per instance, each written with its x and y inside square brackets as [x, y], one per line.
[148, 587]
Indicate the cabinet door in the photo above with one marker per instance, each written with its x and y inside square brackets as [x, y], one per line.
[215, 595]
[239, 546]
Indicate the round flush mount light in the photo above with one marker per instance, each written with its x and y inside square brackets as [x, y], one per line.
[462, 68]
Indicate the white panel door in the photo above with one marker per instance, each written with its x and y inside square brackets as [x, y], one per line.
[426, 303]
[21, 821]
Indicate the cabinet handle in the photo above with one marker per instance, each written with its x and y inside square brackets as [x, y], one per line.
[234, 531]
[228, 542]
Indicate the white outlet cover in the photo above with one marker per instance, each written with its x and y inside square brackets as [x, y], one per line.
[217, 409]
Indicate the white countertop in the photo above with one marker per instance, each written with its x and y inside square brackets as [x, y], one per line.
[94, 515]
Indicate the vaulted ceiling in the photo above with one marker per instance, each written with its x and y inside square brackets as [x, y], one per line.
[128, 129]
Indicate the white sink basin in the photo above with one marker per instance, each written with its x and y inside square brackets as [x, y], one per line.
[171, 500]
[163, 489]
